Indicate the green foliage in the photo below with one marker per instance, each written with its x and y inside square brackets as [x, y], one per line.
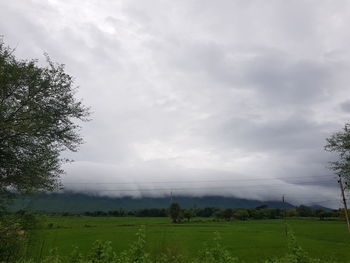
[296, 253]
[215, 252]
[137, 252]
[291, 213]
[53, 257]
[241, 214]
[228, 213]
[171, 255]
[339, 142]
[102, 252]
[37, 113]
[322, 214]
[75, 256]
[12, 241]
[188, 214]
[175, 212]
[206, 212]
[304, 211]
[15, 235]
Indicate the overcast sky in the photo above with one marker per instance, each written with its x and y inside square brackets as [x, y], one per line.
[198, 97]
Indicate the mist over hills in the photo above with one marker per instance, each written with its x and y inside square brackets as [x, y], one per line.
[79, 202]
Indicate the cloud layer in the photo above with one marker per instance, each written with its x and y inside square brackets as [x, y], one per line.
[198, 97]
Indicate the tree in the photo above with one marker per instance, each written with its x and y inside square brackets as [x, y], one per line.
[322, 214]
[304, 211]
[188, 214]
[241, 214]
[340, 142]
[291, 212]
[38, 113]
[206, 212]
[175, 212]
[228, 214]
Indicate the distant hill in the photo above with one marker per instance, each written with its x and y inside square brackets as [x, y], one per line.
[314, 207]
[77, 202]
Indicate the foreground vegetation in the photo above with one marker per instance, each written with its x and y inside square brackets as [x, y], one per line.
[55, 238]
[213, 252]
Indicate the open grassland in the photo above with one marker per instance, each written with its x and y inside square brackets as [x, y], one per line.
[251, 241]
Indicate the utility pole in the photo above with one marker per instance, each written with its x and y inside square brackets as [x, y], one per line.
[284, 216]
[344, 201]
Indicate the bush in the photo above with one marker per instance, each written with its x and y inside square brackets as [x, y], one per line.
[15, 235]
[12, 241]
[137, 252]
[215, 253]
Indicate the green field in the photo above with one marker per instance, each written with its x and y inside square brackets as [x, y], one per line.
[251, 241]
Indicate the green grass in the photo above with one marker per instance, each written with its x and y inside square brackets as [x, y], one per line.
[251, 241]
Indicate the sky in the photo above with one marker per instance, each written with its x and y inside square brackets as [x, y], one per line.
[198, 97]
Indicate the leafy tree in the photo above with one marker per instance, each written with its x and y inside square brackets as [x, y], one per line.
[322, 214]
[38, 113]
[16, 235]
[175, 212]
[151, 212]
[274, 213]
[188, 214]
[241, 214]
[291, 212]
[118, 212]
[340, 143]
[304, 211]
[219, 214]
[228, 213]
[206, 212]
[255, 213]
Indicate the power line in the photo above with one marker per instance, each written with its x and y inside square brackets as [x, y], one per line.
[323, 201]
[199, 181]
[198, 188]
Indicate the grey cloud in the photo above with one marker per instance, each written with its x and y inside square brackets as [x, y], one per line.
[198, 90]
[345, 106]
[275, 76]
[288, 134]
[162, 179]
[282, 81]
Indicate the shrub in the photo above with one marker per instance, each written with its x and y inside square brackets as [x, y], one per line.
[12, 241]
[137, 252]
[102, 252]
[215, 253]
[15, 235]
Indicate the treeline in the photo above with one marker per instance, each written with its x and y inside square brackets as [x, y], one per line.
[260, 212]
[149, 212]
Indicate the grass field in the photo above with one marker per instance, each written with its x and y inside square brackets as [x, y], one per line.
[251, 241]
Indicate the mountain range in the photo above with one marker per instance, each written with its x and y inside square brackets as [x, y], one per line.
[79, 202]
